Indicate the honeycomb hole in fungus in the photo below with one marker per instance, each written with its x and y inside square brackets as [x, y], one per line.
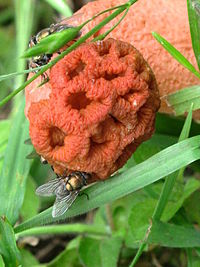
[78, 100]
[77, 70]
[56, 137]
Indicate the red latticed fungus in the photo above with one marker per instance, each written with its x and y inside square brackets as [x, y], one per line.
[100, 104]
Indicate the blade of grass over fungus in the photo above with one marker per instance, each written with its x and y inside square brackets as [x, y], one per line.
[181, 100]
[24, 18]
[15, 168]
[61, 6]
[8, 248]
[137, 177]
[64, 228]
[166, 190]
[81, 40]
[11, 75]
[103, 36]
[176, 54]
[194, 21]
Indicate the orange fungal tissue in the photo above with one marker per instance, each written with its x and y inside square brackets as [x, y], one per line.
[100, 104]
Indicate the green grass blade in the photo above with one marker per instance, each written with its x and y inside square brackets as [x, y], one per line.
[64, 228]
[15, 168]
[24, 19]
[189, 257]
[175, 236]
[170, 181]
[181, 101]
[194, 20]
[151, 170]
[4, 132]
[61, 7]
[176, 54]
[11, 75]
[167, 188]
[8, 248]
[2, 264]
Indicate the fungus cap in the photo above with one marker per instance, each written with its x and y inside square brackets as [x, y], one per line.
[168, 18]
[100, 104]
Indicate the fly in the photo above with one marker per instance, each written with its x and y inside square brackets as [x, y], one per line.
[66, 188]
[43, 59]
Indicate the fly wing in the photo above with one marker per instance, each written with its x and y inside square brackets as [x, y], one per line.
[71, 21]
[61, 205]
[49, 188]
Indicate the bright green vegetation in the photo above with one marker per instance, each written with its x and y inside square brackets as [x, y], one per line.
[151, 206]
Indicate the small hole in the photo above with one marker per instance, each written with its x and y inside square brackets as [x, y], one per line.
[127, 95]
[57, 137]
[114, 119]
[110, 77]
[77, 70]
[78, 100]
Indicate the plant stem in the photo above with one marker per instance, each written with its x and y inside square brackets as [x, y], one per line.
[103, 36]
[69, 49]
[66, 228]
[138, 254]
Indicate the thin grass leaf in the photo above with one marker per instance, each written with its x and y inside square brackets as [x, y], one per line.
[61, 7]
[189, 257]
[103, 35]
[175, 236]
[31, 202]
[176, 54]
[12, 75]
[194, 20]
[24, 18]
[2, 264]
[65, 228]
[15, 168]
[151, 170]
[167, 189]
[181, 101]
[4, 132]
[8, 248]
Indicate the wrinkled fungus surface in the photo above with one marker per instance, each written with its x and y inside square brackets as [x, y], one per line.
[101, 106]
[167, 17]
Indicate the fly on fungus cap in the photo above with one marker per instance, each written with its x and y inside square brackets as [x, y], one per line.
[102, 101]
